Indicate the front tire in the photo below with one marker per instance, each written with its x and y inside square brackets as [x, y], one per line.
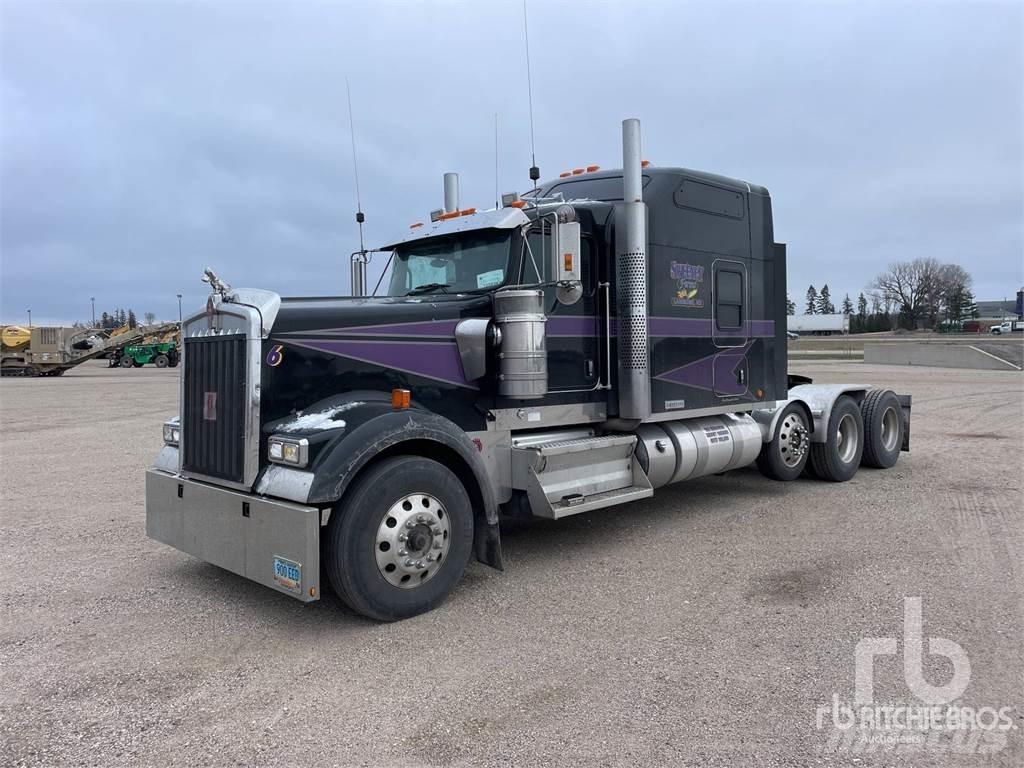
[127, 362]
[785, 455]
[838, 458]
[161, 361]
[400, 539]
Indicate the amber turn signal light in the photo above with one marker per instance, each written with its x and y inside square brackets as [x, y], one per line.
[400, 398]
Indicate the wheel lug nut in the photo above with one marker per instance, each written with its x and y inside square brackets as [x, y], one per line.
[436, 531]
[419, 563]
[411, 524]
[408, 563]
[420, 518]
[402, 537]
[437, 545]
[403, 552]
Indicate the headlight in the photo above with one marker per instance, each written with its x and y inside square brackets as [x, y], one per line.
[288, 450]
[172, 432]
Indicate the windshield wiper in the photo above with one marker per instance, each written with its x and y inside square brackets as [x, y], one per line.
[427, 287]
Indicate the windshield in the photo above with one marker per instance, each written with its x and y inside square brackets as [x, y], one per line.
[471, 261]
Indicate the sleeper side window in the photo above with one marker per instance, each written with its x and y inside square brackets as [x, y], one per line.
[728, 299]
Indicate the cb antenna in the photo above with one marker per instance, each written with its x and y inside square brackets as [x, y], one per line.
[360, 218]
[534, 170]
[495, 160]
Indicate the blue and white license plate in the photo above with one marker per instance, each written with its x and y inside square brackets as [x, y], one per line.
[288, 574]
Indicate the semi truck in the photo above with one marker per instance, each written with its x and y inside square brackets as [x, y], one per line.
[583, 346]
[819, 325]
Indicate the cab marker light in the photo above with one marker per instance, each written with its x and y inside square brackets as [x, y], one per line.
[644, 163]
[592, 168]
[563, 174]
[577, 171]
[416, 224]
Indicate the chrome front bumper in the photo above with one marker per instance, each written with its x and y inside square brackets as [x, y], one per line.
[252, 536]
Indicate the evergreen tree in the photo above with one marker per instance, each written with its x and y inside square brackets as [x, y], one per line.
[847, 305]
[812, 301]
[133, 321]
[105, 321]
[862, 306]
[790, 306]
[825, 305]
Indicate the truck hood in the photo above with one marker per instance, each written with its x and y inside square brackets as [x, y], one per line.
[323, 315]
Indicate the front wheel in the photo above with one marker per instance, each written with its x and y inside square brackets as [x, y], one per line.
[127, 362]
[785, 455]
[162, 361]
[838, 458]
[400, 539]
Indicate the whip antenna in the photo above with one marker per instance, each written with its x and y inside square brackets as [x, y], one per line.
[496, 194]
[360, 218]
[534, 170]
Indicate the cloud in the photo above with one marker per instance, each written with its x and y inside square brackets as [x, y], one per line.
[141, 142]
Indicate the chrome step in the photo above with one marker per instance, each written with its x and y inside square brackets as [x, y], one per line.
[567, 477]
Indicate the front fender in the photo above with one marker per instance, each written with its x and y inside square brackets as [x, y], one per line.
[373, 430]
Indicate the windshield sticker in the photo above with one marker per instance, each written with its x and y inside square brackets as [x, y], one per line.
[689, 281]
[490, 279]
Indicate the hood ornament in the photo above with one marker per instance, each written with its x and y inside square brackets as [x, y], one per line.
[218, 285]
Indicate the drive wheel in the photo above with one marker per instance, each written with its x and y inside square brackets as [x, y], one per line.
[883, 429]
[400, 539]
[162, 361]
[127, 362]
[838, 458]
[785, 455]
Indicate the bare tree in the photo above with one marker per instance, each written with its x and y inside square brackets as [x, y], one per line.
[921, 289]
[150, 318]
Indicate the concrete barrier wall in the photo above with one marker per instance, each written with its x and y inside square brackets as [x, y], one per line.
[936, 355]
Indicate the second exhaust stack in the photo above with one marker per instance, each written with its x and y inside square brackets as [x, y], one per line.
[451, 192]
[631, 277]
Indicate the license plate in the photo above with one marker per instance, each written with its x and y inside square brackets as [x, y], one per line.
[288, 574]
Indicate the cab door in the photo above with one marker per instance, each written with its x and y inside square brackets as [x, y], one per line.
[730, 327]
[573, 331]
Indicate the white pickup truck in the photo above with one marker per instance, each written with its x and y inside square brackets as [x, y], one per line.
[1007, 326]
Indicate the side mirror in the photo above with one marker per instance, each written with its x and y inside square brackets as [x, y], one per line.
[566, 267]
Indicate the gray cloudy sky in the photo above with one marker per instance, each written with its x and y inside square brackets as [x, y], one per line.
[143, 141]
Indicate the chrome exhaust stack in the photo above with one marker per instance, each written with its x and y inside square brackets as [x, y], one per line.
[451, 192]
[631, 282]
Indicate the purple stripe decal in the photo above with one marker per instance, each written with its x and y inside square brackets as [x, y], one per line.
[581, 325]
[429, 360]
[703, 373]
[703, 328]
[440, 329]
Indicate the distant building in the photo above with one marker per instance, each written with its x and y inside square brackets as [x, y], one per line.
[997, 309]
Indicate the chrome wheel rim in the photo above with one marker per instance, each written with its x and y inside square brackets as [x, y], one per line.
[847, 438]
[793, 440]
[412, 540]
[890, 429]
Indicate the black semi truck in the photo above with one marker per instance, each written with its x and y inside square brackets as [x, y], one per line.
[608, 334]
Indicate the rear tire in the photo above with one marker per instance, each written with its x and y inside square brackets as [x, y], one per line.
[425, 504]
[838, 458]
[785, 455]
[162, 361]
[883, 429]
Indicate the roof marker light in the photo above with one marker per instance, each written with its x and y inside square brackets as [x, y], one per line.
[467, 212]
[592, 168]
[577, 171]
[517, 204]
[563, 174]
[644, 163]
[416, 224]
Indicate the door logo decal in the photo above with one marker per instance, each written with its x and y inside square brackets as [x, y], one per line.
[689, 282]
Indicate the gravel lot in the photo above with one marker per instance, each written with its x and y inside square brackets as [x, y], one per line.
[704, 626]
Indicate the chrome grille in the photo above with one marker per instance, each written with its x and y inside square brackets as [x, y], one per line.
[213, 411]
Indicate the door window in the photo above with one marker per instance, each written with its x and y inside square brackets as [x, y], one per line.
[728, 300]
